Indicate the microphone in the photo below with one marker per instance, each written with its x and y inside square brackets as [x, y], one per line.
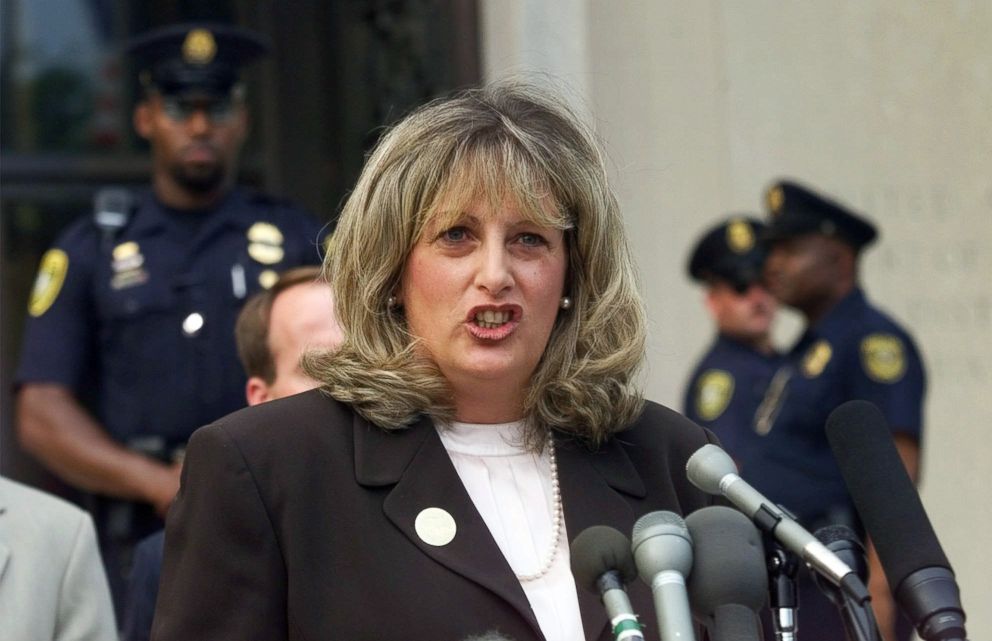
[842, 541]
[603, 564]
[713, 471]
[729, 581]
[890, 508]
[663, 554]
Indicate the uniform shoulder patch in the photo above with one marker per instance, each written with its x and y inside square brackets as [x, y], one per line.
[883, 357]
[48, 283]
[816, 358]
[714, 389]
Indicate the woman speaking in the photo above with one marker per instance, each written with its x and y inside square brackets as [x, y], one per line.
[482, 410]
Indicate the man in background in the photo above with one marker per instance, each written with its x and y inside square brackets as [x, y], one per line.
[727, 385]
[849, 350]
[129, 342]
[277, 326]
[274, 329]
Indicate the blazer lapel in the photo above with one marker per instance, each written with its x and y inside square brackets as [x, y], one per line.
[593, 485]
[416, 462]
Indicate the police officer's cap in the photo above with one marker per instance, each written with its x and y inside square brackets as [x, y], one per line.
[795, 210]
[195, 57]
[731, 251]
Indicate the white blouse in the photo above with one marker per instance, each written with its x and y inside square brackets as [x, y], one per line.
[511, 489]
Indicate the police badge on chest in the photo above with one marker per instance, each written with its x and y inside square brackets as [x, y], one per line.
[128, 266]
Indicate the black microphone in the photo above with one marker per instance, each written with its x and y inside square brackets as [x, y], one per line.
[663, 553]
[842, 541]
[890, 508]
[603, 564]
[729, 581]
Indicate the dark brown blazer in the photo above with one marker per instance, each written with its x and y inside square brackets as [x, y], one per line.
[295, 520]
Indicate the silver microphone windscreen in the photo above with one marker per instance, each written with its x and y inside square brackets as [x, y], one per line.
[708, 466]
[661, 542]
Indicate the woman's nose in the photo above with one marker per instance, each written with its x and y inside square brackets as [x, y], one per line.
[495, 273]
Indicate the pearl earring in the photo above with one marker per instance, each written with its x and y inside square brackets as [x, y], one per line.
[391, 302]
[566, 302]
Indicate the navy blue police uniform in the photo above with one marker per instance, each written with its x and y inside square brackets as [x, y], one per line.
[146, 321]
[728, 383]
[134, 307]
[725, 390]
[854, 351]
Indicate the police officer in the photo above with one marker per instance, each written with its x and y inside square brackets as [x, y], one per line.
[729, 382]
[129, 342]
[849, 350]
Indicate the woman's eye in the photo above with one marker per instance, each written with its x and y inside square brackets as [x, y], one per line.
[454, 235]
[531, 240]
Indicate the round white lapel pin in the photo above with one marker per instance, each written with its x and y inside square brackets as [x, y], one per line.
[435, 527]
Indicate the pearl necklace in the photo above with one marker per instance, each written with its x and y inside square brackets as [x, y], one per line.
[557, 518]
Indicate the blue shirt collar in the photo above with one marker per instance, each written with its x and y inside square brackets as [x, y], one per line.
[729, 343]
[150, 215]
[836, 321]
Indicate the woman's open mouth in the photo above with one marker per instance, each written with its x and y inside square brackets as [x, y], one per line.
[493, 323]
[490, 319]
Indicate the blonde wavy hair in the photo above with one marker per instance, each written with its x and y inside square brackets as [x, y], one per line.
[503, 142]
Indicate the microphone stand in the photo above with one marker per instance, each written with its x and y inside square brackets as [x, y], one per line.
[783, 595]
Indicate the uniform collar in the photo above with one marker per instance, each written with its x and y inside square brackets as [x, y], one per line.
[835, 322]
[728, 342]
[840, 314]
[151, 215]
